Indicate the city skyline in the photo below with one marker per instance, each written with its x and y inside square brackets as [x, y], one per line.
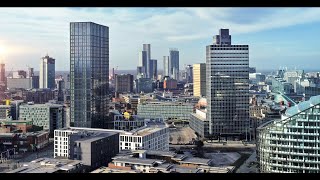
[277, 37]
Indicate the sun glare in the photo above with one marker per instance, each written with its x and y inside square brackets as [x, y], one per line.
[2, 50]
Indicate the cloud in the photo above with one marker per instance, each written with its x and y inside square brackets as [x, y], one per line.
[35, 31]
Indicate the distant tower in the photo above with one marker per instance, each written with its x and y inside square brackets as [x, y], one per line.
[47, 72]
[174, 63]
[3, 79]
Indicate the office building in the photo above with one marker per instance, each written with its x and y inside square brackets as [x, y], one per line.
[189, 74]
[21, 81]
[5, 111]
[166, 66]
[124, 83]
[154, 66]
[291, 144]
[49, 116]
[59, 88]
[142, 65]
[47, 72]
[153, 136]
[252, 70]
[147, 49]
[39, 96]
[129, 123]
[174, 63]
[143, 85]
[94, 149]
[169, 83]
[227, 71]
[89, 73]
[199, 123]
[199, 80]
[166, 110]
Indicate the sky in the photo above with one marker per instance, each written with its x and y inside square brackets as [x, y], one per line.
[277, 37]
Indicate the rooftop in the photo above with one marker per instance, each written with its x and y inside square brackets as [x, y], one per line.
[195, 160]
[111, 170]
[47, 165]
[92, 136]
[314, 100]
[136, 160]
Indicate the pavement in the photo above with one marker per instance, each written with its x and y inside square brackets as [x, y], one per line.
[186, 134]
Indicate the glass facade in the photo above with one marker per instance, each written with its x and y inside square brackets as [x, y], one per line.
[227, 69]
[174, 63]
[292, 145]
[168, 111]
[89, 65]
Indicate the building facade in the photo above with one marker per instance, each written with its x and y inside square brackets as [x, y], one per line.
[199, 123]
[124, 83]
[49, 116]
[147, 49]
[89, 73]
[199, 80]
[166, 110]
[174, 63]
[47, 72]
[227, 70]
[166, 66]
[291, 145]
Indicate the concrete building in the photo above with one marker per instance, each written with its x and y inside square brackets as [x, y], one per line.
[166, 110]
[153, 136]
[189, 73]
[227, 71]
[49, 165]
[47, 72]
[174, 63]
[25, 83]
[166, 66]
[199, 80]
[49, 116]
[124, 83]
[291, 145]
[94, 149]
[199, 123]
[169, 83]
[155, 161]
[89, 74]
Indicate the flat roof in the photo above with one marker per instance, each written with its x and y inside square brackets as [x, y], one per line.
[180, 169]
[195, 160]
[47, 165]
[113, 170]
[136, 160]
[161, 153]
[93, 137]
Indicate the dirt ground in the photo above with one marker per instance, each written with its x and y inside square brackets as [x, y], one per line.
[186, 134]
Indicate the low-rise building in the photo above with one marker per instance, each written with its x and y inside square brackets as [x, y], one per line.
[49, 165]
[199, 123]
[121, 122]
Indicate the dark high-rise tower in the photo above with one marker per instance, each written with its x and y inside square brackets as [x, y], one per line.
[89, 65]
[227, 69]
[174, 66]
[3, 79]
[147, 49]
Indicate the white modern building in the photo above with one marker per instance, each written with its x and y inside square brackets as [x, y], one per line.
[47, 72]
[154, 136]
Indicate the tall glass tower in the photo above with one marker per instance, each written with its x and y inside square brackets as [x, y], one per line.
[227, 69]
[47, 72]
[174, 63]
[89, 65]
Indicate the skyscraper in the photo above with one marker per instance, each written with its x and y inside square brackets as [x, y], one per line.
[166, 66]
[147, 48]
[47, 72]
[89, 65]
[142, 63]
[199, 79]
[174, 63]
[189, 73]
[227, 69]
[3, 79]
[153, 62]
